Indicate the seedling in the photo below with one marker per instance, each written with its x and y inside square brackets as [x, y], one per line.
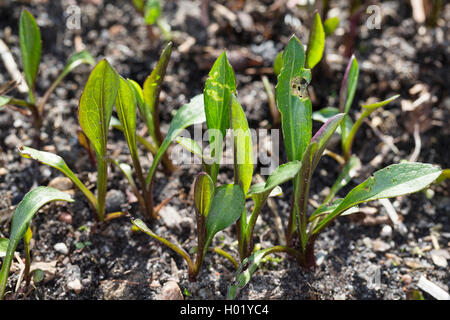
[304, 228]
[104, 89]
[151, 10]
[20, 228]
[219, 207]
[31, 47]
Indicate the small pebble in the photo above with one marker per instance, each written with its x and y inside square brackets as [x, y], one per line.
[386, 231]
[171, 291]
[61, 183]
[75, 285]
[65, 217]
[61, 248]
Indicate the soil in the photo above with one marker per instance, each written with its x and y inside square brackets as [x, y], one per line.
[358, 258]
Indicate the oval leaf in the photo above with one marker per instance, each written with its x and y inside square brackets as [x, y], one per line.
[30, 47]
[226, 207]
[392, 181]
[23, 214]
[316, 43]
[203, 193]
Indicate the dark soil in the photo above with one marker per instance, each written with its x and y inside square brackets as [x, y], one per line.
[112, 262]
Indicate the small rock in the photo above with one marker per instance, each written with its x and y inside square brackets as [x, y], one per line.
[380, 246]
[440, 257]
[171, 291]
[49, 269]
[61, 183]
[114, 200]
[386, 232]
[367, 242]
[320, 257]
[61, 248]
[3, 172]
[75, 285]
[170, 217]
[339, 296]
[65, 217]
[12, 141]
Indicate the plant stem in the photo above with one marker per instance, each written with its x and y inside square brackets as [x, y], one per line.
[347, 144]
[226, 255]
[27, 274]
[102, 176]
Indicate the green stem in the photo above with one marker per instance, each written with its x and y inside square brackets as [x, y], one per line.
[347, 144]
[226, 255]
[102, 176]
[27, 274]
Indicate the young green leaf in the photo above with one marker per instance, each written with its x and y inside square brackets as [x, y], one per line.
[347, 92]
[30, 47]
[322, 137]
[76, 60]
[94, 114]
[4, 242]
[278, 63]
[192, 146]
[243, 145]
[152, 88]
[280, 175]
[295, 108]
[219, 86]
[126, 110]
[348, 172]
[245, 272]
[324, 114]
[325, 208]
[139, 4]
[96, 105]
[23, 214]
[55, 161]
[152, 11]
[316, 43]
[203, 193]
[330, 25]
[392, 181]
[226, 207]
[376, 105]
[189, 114]
[4, 100]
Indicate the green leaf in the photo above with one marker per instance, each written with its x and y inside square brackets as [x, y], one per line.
[4, 100]
[347, 93]
[192, 146]
[316, 43]
[219, 86]
[203, 193]
[376, 105]
[392, 181]
[245, 272]
[30, 47]
[330, 25]
[55, 161]
[139, 4]
[324, 114]
[322, 137]
[76, 60]
[280, 175]
[126, 110]
[152, 11]
[278, 63]
[151, 92]
[226, 207]
[96, 105]
[94, 113]
[324, 209]
[23, 214]
[4, 242]
[348, 172]
[243, 145]
[293, 102]
[189, 114]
